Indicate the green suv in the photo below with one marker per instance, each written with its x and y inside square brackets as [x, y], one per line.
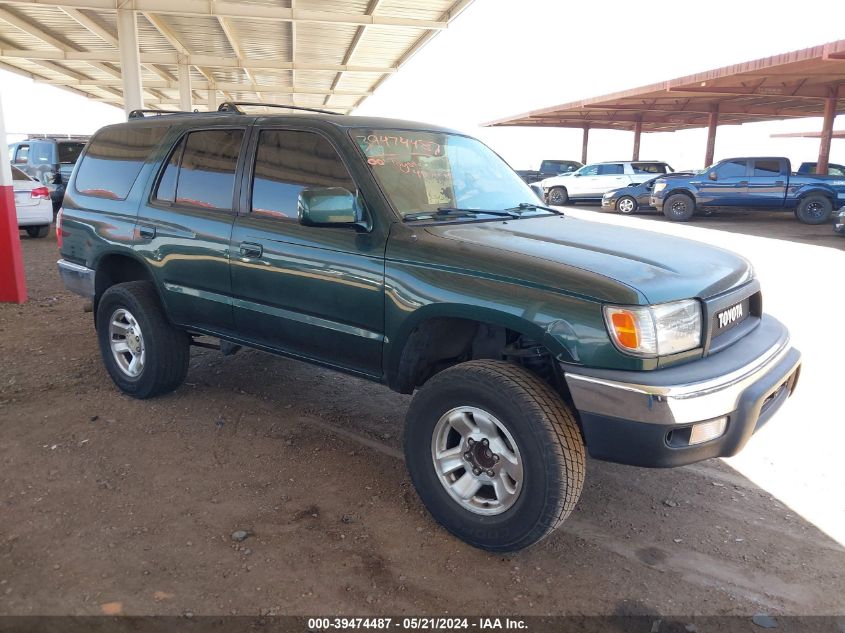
[414, 256]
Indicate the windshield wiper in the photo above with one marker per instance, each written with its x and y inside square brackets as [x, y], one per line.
[523, 206]
[453, 212]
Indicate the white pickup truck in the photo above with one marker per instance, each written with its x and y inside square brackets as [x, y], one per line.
[592, 181]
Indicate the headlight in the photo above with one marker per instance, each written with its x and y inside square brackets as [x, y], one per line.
[659, 186]
[657, 330]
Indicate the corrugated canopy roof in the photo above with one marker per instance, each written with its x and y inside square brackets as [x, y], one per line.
[313, 53]
[780, 87]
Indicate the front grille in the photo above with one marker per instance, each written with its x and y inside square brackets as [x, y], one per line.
[731, 315]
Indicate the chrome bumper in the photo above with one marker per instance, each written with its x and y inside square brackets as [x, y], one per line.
[696, 398]
[77, 278]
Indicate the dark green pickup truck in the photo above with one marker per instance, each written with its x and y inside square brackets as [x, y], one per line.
[414, 256]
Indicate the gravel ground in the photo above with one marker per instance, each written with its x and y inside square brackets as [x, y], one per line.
[111, 505]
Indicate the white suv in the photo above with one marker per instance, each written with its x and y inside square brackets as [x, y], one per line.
[592, 181]
[32, 204]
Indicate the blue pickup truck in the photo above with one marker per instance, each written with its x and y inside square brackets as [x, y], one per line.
[754, 183]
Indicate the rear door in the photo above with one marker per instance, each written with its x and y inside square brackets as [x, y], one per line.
[309, 291]
[767, 182]
[185, 225]
[730, 188]
[610, 176]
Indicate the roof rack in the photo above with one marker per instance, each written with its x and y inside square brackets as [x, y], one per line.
[57, 137]
[142, 113]
[233, 106]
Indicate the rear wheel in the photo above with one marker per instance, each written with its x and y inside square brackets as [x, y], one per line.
[494, 453]
[558, 196]
[814, 210]
[626, 205]
[679, 207]
[38, 231]
[143, 353]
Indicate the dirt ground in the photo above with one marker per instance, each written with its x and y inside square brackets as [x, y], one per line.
[112, 505]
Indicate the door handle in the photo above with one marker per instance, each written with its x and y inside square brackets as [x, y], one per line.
[742, 182]
[251, 250]
[780, 183]
[147, 232]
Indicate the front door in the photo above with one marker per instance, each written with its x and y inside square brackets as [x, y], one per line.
[309, 291]
[728, 189]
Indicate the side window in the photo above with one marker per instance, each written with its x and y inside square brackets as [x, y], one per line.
[589, 170]
[166, 190]
[732, 169]
[611, 170]
[42, 153]
[115, 158]
[22, 154]
[836, 171]
[201, 170]
[289, 161]
[766, 168]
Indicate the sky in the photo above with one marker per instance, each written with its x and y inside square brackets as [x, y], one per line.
[501, 57]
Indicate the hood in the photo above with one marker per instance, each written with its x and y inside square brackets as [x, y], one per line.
[661, 267]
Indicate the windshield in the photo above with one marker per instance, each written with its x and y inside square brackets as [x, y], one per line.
[425, 171]
[69, 152]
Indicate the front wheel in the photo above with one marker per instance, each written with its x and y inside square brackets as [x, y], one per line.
[679, 207]
[143, 353]
[814, 210]
[626, 205]
[494, 453]
[558, 196]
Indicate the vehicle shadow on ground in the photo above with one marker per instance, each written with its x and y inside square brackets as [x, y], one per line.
[704, 525]
[780, 225]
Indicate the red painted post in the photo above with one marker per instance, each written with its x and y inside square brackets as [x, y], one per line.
[712, 124]
[584, 142]
[638, 130]
[827, 133]
[12, 282]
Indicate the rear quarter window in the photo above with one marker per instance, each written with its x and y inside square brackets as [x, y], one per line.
[114, 160]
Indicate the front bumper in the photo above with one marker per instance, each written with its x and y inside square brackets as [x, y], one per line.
[656, 202]
[608, 203]
[645, 418]
[77, 278]
[839, 226]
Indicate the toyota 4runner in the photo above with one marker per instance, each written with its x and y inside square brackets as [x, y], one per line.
[412, 255]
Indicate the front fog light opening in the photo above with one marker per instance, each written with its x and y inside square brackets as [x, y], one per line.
[697, 433]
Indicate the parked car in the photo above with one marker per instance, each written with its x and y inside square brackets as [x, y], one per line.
[754, 183]
[633, 197]
[591, 182]
[832, 169]
[49, 160]
[413, 256]
[549, 168]
[32, 204]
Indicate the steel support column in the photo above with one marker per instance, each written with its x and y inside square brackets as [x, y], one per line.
[827, 132]
[585, 140]
[185, 96]
[211, 102]
[130, 59]
[638, 130]
[12, 281]
[712, 124]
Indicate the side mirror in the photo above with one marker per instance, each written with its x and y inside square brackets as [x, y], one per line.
[328, 206]
[538, 191]
[712, 176]
[577, 175]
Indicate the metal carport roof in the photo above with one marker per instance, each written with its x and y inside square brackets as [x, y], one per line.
[314, 53]
[803, 83]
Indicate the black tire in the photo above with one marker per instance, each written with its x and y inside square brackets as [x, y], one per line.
[627, 205]
[679, 207]
[558, 196]
[543, 429]
[38, 231]
[166, 349]
[814, 210]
